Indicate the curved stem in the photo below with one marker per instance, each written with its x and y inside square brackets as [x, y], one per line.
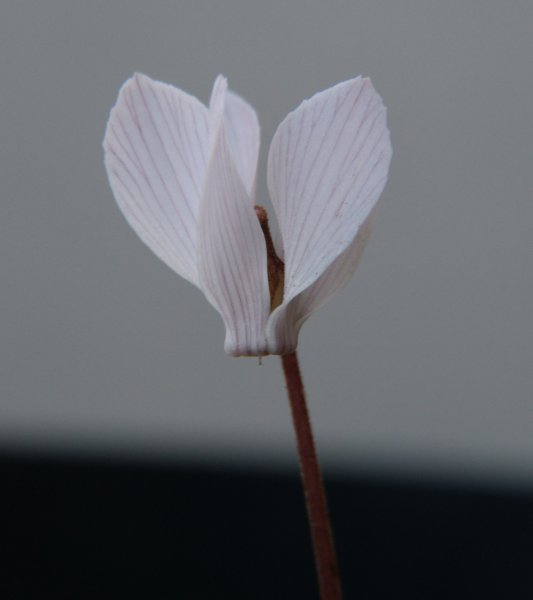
[315, 497]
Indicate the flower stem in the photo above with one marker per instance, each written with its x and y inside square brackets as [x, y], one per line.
[315, 497]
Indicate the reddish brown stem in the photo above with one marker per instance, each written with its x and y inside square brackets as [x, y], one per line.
[315, 497]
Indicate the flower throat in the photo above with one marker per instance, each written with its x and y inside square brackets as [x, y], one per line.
[275, 266]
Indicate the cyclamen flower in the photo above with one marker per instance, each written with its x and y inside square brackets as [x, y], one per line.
[184, 175]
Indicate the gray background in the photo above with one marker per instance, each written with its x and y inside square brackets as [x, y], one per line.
[422, 363]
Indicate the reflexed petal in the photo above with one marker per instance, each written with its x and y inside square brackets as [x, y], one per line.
[156, 152]
[285, 322]
[327, 166]
[242, 134]
[232, 260]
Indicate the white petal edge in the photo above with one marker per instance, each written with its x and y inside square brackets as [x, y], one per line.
[156, 151]
[232, 261]
[327, 166]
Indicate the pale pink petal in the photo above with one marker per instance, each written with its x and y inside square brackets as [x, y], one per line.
[327, 167]
[156, 152]
[232, 260]
[242, 135]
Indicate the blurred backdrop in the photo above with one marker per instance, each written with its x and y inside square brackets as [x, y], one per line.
[422, 363]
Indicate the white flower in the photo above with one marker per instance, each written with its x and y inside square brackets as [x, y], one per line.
[184, 176]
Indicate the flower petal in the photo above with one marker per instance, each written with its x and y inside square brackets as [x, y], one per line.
[232, 261]
[327, 166]
[242, 134]
[337, 274]
[285, 322]
[156, 151]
